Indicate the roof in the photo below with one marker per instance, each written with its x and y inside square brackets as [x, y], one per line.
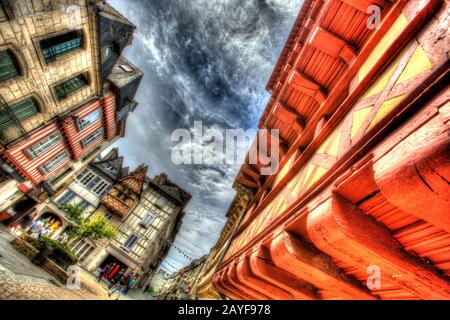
[109, 12]
[124, 72]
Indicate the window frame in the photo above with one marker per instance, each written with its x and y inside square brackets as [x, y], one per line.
[51, 143]
[62, 156]
[146, 224]
[71, 86]
[94, 136]
[13, 63]
[72, 44]
[81, 126]
[128, 247]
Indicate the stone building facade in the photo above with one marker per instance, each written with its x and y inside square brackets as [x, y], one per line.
[65, 94]
[147, 214]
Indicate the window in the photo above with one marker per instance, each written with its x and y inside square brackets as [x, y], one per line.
[132, 239]
[8, 65]
[148, 219]
[22, 110]
[94, 136]
[93, 182]
[125, 68]
[161, 202]
[125, 110]
[101, 188]
[60, 45]
[107, 51]
[66, 197]
[83, 204]
[73, 84]
[44, 144]
[89, 119]
[108, 215]
[55, 161]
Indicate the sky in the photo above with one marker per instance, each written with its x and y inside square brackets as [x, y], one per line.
[203, 60]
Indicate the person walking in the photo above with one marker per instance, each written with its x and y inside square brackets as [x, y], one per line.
[120, 286]
[104, 272]
[130, 284]
[116, 278]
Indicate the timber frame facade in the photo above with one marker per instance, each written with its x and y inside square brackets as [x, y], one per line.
[363, 186]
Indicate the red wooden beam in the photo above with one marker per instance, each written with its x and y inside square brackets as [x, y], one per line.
[304, 261]
[307, 85]
[343, 231]
[362, 5]
[262, 266]
[331, 44]
[414, 176]
[247, 292]
[247, 277]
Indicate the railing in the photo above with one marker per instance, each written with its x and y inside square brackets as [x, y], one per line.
[11, 129]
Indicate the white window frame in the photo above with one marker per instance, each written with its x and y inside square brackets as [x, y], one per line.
[148, 219]
[92, 137]
[130, 242]
[44, 144]
[164, 202]
[54, 162]
[90, 118]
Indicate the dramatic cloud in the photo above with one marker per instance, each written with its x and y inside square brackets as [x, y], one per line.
[205, 60]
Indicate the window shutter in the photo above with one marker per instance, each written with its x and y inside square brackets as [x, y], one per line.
[7, 66]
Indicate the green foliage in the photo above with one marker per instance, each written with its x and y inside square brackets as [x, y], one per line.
[62, 255]
[151, 291]
[74, 212]
[95, 229]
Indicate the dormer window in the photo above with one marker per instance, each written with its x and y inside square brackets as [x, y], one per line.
[126, 68]
[89, 119]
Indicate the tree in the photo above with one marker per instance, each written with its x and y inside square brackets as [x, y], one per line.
[74, 212]
[95, 228]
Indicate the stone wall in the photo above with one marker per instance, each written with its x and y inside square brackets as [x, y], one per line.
[49, 266]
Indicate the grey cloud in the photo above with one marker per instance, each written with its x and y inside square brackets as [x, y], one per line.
[203, 60]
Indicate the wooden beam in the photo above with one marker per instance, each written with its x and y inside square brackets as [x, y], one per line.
[246, 291]
[247, 182]
[219, 286]
[343, 231]
[304, 261]
[306, 85]
[262, 266]
[284, 112]
[331, 44]
[251, 171]
[415, 175]
[362, 5]
[247, 277]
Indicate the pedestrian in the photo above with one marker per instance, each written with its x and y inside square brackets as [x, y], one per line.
[120, 286]
[130, 284]
[117, 278]
[36, 228]
[104, 272]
